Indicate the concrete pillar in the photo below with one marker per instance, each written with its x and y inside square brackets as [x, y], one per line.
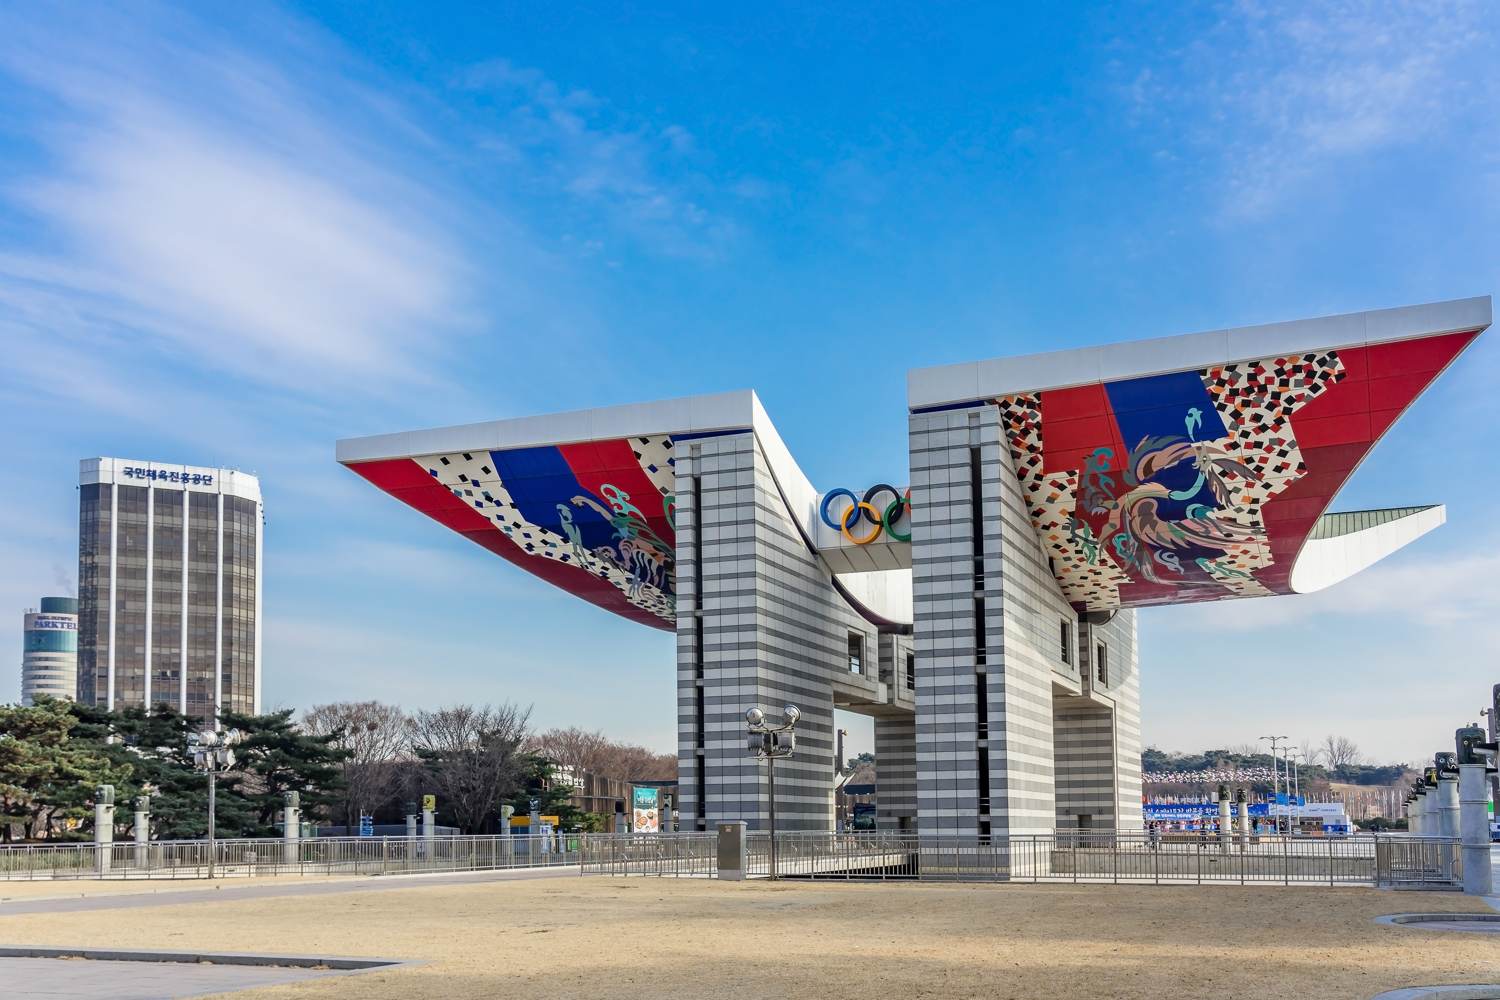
[1419, 814]
[291, 830]
[759, 625]
[142, 827]
[104, 827]
[1446, 806]
[896, 772]
[1474, 824]
[429, 826]
[411, 827]
[1224, 820]
[1242, 801]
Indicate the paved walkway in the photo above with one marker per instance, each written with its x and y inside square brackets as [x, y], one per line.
[90, 980]
[264, 888]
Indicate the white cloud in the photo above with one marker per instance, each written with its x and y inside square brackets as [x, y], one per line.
[592, 156]
[199, 206]
[1279, 93]
[1430, 592]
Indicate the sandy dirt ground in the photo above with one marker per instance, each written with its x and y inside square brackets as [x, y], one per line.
[599, 937]
[90, 888]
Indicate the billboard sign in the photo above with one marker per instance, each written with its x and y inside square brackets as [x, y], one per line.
[645, 809]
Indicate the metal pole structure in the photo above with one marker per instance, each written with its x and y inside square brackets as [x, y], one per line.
[770, 742]
[1296, 791]
[1275, 781]
[212, 850]
[771, 780]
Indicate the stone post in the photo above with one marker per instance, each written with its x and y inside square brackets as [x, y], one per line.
[142, 831]
[1243, 802]
[1224, 821]
[429, 825]
[507, 845]
[291, 829]
[1474, 822]
[104, 827]
[1447, 806]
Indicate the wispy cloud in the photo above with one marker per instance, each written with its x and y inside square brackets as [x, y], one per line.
[578, 144]
[1428, 593]
[195, 205]
[1278, 93]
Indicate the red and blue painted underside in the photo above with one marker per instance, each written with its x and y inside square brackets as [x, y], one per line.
[1335, 430]
[543, 483]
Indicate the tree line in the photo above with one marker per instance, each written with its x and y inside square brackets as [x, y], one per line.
[1336, 758]
[346, 759]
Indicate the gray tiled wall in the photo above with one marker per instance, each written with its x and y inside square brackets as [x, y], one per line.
[774, 633]
[1018, 666]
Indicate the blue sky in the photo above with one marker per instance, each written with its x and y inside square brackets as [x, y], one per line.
[234, 241]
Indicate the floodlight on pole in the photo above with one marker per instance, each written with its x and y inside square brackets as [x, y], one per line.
[213, 752]
[768, 742]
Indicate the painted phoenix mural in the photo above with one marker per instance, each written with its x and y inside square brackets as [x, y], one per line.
[1203, 484]
[595, 518]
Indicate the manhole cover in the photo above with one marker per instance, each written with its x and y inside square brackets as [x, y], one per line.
[1472, 923]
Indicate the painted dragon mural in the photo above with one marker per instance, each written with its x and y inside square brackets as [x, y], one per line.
[1203, 484]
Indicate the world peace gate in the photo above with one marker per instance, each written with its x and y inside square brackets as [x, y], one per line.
[984, 613]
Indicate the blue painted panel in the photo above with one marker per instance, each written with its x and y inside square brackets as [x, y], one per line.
[538, 480]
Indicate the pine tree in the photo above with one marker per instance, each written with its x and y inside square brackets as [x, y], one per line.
[46, 776]
[278, 757]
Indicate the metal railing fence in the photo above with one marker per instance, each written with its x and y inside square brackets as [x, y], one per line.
[1076, 856]
[1065, 856]
[676, 854]
[188, 859]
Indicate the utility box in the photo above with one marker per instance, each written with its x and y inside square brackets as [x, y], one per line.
[732, 850]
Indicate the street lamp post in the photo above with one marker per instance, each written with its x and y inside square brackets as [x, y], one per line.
[213, 752]
[1275, 778]
[768, 742]
[1295, 757]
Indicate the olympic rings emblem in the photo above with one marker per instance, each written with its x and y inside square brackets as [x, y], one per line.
[866, 510]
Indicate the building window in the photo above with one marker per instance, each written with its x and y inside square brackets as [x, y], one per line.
[911, 671]
[1066, 635]
[1101, 663]
[856, 653]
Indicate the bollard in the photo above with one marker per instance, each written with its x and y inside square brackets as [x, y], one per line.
[1446, 805]
[104, 827]
[142, 831]
[429, 826]
[1224, 825]
[732, 865]
[1474, 822]
[507, 844]
[291, 829]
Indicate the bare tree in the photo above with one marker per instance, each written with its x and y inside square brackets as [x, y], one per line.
[575, 751]
[1311, 755]
[471, 758]
[1339, 752]
[595, 753]
[375, 736]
